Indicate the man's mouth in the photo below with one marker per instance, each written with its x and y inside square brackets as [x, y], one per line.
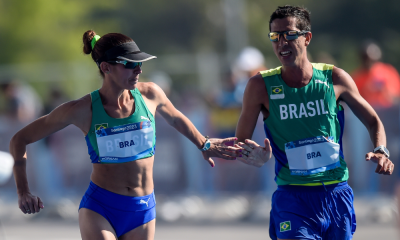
[285, 53]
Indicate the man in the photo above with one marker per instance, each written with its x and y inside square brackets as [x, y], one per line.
[304, 125]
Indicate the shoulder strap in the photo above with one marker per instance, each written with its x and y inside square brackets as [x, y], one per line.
[141, 103]
[97, 105]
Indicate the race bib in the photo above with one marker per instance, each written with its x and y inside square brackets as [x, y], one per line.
[312, 155]
[125, 141]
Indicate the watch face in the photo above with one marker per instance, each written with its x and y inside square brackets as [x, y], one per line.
[384, 151]
[207, 145]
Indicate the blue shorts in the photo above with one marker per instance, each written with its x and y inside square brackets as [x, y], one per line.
[124, 213]
[313, 212]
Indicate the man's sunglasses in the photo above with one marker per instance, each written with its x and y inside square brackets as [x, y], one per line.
[288, 35]
[130, 65]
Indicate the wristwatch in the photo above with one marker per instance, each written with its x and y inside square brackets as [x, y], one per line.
[206, 145]
[382, 149]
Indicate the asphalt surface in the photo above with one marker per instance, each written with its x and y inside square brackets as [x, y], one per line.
[67, 230]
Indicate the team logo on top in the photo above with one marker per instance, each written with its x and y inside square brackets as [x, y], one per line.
[277, 92]
[285, 226]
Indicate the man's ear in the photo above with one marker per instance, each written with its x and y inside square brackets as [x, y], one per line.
[308, 38]
[105, 67]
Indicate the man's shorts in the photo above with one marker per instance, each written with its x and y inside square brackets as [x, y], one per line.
[124, 213]
[313, 212]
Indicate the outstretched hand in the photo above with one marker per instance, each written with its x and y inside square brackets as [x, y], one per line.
[254, 154]
[221, 148]
[385, 166]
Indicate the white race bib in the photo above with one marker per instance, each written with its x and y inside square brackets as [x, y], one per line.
[127, 141]
[312, 155]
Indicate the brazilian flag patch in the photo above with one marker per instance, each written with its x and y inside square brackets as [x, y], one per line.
[285, 226]
[277, 92]
[101, 126]
[99, 129]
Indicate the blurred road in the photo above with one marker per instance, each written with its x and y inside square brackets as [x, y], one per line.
[62, 230]
[184, 217]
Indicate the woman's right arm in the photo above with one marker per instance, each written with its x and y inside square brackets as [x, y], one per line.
[73, 112]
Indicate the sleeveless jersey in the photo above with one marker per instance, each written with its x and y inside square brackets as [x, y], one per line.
[305, 127]
[118, 140]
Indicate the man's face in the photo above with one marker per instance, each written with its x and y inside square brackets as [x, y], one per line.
[291, 52]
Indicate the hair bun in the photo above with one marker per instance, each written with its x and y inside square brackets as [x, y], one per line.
[88, 36]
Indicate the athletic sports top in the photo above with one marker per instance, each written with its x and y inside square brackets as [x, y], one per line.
[305, 127]
[118, 140]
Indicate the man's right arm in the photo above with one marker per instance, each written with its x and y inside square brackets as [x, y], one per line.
[255, 100]
[255, 96]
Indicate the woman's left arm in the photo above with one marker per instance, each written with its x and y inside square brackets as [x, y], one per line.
[221, 148]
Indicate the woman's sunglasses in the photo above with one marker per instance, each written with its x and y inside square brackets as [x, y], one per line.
[130, 65]
[288, 35]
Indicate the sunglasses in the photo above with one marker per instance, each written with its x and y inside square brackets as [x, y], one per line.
[288, 35]
[130, 65]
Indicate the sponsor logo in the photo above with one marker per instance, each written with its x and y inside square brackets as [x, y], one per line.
[322, 82]
[285, 226]
[141, 117]
[144, 202]
[109, 158]
[299, 172]
[277, 92]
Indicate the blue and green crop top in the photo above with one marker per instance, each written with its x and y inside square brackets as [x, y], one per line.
[119, 140]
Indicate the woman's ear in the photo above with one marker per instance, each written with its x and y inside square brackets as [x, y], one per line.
[105, 67]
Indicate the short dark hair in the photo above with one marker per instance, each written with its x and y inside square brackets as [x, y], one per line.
[301, 14]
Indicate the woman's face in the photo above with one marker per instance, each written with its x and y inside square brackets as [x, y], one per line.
[124, 77]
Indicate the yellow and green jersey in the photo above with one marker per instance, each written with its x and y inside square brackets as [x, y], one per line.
[305, 117]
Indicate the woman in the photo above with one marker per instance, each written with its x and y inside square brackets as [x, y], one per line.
[118, 122]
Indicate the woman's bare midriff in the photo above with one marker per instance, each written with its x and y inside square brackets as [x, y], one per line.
[133, 178]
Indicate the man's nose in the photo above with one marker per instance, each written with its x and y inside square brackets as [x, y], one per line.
[282, 40]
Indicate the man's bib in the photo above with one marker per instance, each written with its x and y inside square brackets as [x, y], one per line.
[312, 155]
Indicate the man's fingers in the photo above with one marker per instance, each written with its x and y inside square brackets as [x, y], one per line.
[368, 156]
[245, 146]
[251, 143]
[233, 148]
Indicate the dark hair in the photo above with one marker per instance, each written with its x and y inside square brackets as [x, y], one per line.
[105, 43]
[301, 14]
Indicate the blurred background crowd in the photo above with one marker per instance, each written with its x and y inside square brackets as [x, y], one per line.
[206, 50]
